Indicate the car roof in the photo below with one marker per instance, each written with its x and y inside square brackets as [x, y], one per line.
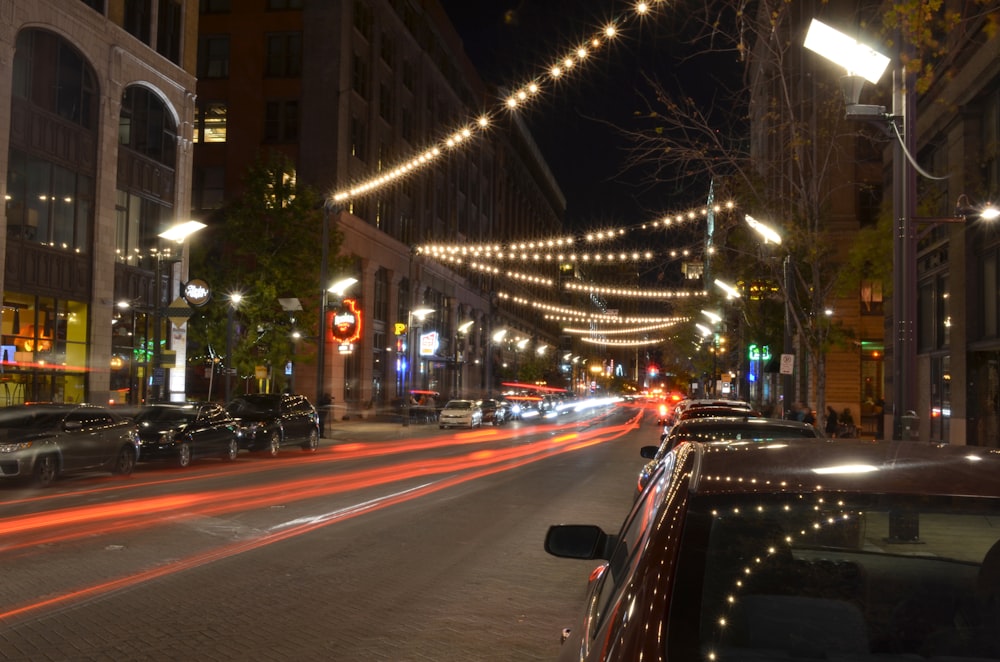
[843, 465]
[748, 422]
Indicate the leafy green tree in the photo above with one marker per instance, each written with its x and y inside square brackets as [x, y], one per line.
[265, 246]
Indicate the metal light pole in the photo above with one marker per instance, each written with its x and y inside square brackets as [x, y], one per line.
[234, 302]
[462, 330]
[420, 313]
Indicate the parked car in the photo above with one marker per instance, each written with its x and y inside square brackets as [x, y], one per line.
[716, 428]
[268, 421]
[797, 550]
[495, 412]
[181, 432]
[464, 413]
[45, 441]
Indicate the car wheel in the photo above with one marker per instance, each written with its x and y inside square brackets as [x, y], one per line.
[232, 450]
[312, 443]
[441, 427]
[125, 462]
[274, 444]
[46, 468]
[184, 454]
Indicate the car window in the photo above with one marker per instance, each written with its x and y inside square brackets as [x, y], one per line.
[812, 576]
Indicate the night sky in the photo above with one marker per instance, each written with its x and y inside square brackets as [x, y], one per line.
[576, 126]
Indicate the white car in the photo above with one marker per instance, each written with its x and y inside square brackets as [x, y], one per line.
[461, 413]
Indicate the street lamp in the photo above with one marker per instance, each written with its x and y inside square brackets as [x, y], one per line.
[177, 233]
[463, 329]
[338, 288]
[234, 302]
[420, 314]
[769, 234]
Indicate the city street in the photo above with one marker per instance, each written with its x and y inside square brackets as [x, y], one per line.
[389, 543]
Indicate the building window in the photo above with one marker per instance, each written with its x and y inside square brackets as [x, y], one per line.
[409, 75]
[387, 49]
[363, 19]
[359, 76]
[284, 55]
[406, 125]
[940, 419]
[358, 138]
[139, 221]
[281, 121]
[209, 187]
[139, 19]
[147, 127]
[53, 76]
[48, 203]
[213, 6]
[210, 122]
[213, 56]
[871, 297]
[380, 309]
[168, 30]
[385, 102]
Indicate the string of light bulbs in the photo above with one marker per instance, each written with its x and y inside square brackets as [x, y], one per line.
[635, 329]
[634, 293]
[562, 68]
[542, 249]
[623, 343]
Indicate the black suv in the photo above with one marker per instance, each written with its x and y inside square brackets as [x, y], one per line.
[269, 421]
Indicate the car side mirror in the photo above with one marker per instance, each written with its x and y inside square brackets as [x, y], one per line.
[649, 452]
[578, 541]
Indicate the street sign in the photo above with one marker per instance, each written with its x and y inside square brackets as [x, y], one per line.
[787, 364]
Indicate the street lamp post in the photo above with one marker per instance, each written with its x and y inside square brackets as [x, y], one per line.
[177, 233]
[234, 303]
[419, 313]
[462, 330]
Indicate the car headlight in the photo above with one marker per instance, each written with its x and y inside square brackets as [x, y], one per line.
[14, 447]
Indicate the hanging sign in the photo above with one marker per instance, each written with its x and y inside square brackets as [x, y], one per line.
[345, 323]
[429, 343]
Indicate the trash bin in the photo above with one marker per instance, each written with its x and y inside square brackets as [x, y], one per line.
[910, 426]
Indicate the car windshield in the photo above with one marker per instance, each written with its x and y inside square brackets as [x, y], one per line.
[459, 404]
[821, 576]
[171, 415]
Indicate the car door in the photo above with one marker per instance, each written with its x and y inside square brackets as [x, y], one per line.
[209, 436]
[87, 439]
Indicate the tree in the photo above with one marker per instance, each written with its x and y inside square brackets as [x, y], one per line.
[265, 245]
[787, 153]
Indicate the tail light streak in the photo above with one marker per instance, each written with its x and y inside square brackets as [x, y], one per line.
[88, 521]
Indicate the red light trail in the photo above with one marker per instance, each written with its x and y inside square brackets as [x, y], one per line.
[78, 522]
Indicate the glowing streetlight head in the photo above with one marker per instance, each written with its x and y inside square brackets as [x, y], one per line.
[715, 317]
[766, 231]
[703, 330]
[731, 292]
[499, 335]
[846, 51]
[421, 313]
[465, 326]
[989, 213]
[341, 286]
[181, 231]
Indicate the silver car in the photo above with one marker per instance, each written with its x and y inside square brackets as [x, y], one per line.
[461, 413]
[46, 440]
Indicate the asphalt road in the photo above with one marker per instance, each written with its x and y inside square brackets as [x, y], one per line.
[389, 543]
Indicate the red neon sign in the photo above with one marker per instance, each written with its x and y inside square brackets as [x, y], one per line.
[345, 324]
